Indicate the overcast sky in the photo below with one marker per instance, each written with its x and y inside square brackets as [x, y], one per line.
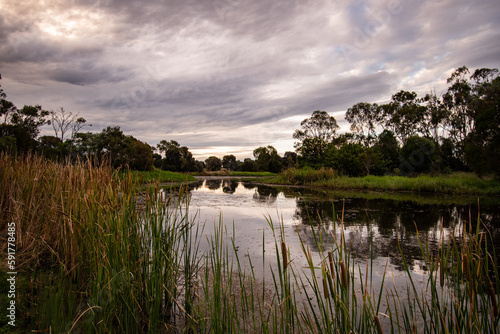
[227, 76]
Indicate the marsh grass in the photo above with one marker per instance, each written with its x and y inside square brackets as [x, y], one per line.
[455, 183]
[93, 258]
[157, 175]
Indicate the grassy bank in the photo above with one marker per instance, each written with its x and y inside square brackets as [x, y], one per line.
[455, 183]
[157, 175]
[94, 254]
[235, 174]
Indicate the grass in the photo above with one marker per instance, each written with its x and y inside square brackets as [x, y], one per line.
[455, 183]
[255, 174]
[158, 175]
[236, 174]
[93, 258]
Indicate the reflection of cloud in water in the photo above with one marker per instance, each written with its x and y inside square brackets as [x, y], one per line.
[380, 227]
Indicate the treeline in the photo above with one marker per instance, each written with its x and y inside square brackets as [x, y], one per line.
[173, 157]
[457, 131]
[20, 129]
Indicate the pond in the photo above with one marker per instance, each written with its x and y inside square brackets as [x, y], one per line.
[383, 219]
[377, 226]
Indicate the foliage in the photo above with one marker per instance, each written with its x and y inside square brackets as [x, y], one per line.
[404, 115]
[23, 125]
[454, 183]
[229, 162]
[364, 117]
[389, 149]
[213, 163]
[482, 145]
[248, 165]
[347, 160]
[267, 159]
[457, 131]
[289, 160]
[315, 135]
[418, 156]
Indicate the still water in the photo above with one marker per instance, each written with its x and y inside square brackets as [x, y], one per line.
[379, 219]
[378, 227]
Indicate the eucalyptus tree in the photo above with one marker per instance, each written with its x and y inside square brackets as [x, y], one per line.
[364, 118]
[267, 159]
[316, 133]
[213, 163]
[404, 115]
[229, 162]
[482, 145]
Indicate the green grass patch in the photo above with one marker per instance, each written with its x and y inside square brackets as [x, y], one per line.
[236, 174]
[455, 183]
[157, 175]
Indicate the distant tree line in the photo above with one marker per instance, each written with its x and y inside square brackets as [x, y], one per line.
[457, 131]
[20, 129]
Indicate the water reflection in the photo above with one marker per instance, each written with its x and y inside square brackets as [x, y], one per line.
[388, 226]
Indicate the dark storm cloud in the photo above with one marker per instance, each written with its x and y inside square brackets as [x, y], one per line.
[87, 73]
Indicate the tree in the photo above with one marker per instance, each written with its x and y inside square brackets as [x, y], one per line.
[87, 144]
[458, 98]
[418, 156]
[143, 156]
[52, 147]
[213, 163]
[23, 125]
[248, 165]
[113, 143]
[316, 133]
[267, 159]
[404, 115]
[229, 162]
[388, 146]
[177, 158]
[188, 163]
[346, 160]
[482, 145]
[289, 159]
[437, 116]
[63, 121]
[6, 107]
[172, 155]
[364, 117]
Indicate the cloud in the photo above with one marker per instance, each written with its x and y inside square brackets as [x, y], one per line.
[86, 73]
[233, 73]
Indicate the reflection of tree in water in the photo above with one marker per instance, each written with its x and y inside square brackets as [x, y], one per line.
[314, 212]
[265, 194]
[389, 227]
[248, 185]
[229, 187]
[195, 185]
[213, 184]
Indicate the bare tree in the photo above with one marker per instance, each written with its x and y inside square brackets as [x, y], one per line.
[64, 121]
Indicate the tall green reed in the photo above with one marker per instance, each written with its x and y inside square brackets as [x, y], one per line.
[100, 255]
[103, 255]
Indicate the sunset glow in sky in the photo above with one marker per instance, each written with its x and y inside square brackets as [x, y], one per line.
[227, 76]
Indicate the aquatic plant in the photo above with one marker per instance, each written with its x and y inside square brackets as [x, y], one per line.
[97, 253]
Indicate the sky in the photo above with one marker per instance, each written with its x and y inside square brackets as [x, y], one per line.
[228, 76]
